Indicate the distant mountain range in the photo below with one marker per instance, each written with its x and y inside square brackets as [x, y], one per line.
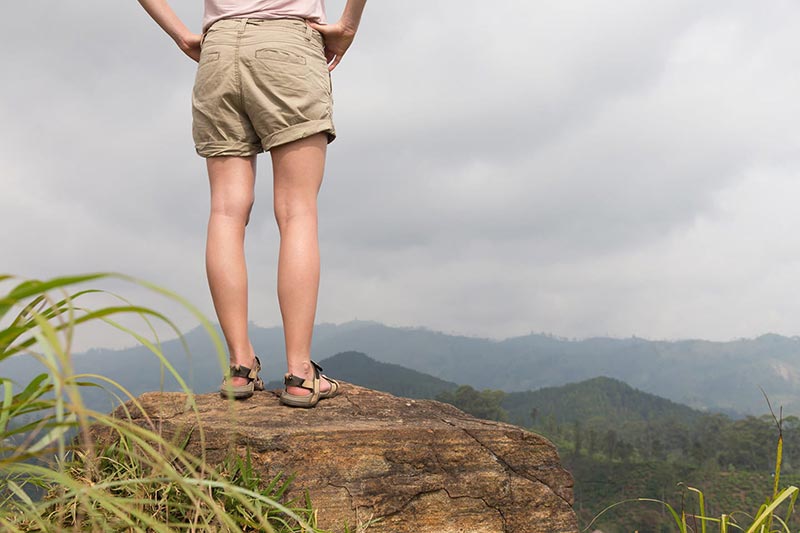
[594, 402]
[719, 376]
[360, 369]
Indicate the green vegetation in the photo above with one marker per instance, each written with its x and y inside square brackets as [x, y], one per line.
[110, 473]
[719, 376]
[607, 420]
[776, 511]
[482, 404]
[621, 444]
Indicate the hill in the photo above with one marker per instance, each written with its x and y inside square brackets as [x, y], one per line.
[593, 403]
[360, 369]
[716, 376]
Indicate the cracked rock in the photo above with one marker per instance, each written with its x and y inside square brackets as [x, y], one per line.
[428, 469]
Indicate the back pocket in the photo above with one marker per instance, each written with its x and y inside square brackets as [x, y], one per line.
[283, 68]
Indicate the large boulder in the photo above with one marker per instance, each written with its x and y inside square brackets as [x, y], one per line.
[420, 466]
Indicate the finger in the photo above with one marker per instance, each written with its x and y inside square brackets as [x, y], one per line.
[334, 63]
[329, 56]
[322, 28]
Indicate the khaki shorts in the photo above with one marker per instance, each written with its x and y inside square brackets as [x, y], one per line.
[260, 83]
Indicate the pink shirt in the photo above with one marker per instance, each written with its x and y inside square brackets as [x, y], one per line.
[313, 10]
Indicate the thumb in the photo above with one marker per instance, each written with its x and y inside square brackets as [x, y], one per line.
[319, 27]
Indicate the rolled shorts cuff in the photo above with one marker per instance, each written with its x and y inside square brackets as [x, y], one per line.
[300, 131]
[219, 149]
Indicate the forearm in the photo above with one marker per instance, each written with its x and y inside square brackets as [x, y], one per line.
[351, 17]
[165, 17]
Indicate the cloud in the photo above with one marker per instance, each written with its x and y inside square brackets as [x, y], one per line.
[525, 166]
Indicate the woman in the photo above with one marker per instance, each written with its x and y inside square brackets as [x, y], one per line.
[263, 84]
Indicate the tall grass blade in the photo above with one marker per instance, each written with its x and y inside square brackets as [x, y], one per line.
[766, 512]
[702, 504]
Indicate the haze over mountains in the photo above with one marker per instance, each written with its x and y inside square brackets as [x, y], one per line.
[723, 376]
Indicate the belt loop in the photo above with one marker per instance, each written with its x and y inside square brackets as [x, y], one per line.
[242, 25]
[309, 30]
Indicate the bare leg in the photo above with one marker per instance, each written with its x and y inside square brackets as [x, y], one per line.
[297, 175]
[232, 180]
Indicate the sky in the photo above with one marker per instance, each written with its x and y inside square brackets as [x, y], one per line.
[578, 168]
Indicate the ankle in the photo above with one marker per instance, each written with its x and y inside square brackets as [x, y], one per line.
[302, 369]
[244, 358]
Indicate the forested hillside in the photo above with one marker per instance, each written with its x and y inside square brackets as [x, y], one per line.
[620, 443]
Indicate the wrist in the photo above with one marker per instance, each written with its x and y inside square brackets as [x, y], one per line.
[349, 26]
[182, 40]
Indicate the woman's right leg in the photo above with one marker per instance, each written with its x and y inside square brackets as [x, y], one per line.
[232, 181]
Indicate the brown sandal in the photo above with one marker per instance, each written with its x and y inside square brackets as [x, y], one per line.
[241, 392]
[308, 400]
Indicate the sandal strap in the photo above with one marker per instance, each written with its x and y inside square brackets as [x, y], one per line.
[239, 371]
[291, 380]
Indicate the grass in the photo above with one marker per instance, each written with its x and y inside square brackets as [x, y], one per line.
[773, 516]
[55, 475]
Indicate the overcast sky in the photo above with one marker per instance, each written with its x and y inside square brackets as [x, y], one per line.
[575, 167]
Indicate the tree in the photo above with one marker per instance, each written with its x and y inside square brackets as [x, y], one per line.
[611, 444]
[576, 438]
[484, 404]
[592, 444]
[624, 450]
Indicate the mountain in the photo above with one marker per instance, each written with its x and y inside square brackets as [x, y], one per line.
[360, 369]
[718, 376]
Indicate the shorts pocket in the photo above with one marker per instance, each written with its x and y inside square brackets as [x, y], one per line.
[282, 68]
[208, 57]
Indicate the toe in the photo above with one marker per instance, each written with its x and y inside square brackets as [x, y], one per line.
[324, 385]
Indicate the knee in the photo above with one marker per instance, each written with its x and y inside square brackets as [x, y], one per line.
[238, 209]
[288, 209]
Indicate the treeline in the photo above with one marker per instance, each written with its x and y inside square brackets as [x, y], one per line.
[715, 441]
[622, 444]
[606, 420]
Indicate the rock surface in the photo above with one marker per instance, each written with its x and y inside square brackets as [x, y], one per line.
[418, 465]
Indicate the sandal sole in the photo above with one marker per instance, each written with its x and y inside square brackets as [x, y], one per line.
[293, 400]
[236, 395]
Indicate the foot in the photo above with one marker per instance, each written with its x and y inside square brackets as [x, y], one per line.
[324, 386]
[310, 389]
[237, 381]
[306, 371]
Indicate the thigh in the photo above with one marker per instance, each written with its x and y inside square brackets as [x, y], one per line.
[232, 181]
[297, 169]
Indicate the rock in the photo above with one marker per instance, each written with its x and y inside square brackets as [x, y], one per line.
[420, 466]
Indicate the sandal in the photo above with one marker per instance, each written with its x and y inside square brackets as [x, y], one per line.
[241, 392]
[308, 400]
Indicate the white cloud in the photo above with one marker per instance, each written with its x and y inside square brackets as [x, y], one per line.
[576, 168]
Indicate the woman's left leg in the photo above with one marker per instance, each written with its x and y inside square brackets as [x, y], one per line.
[232, 180]
[297, 169]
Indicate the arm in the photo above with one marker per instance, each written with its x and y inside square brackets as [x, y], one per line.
[162, 13]
[339, 36]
